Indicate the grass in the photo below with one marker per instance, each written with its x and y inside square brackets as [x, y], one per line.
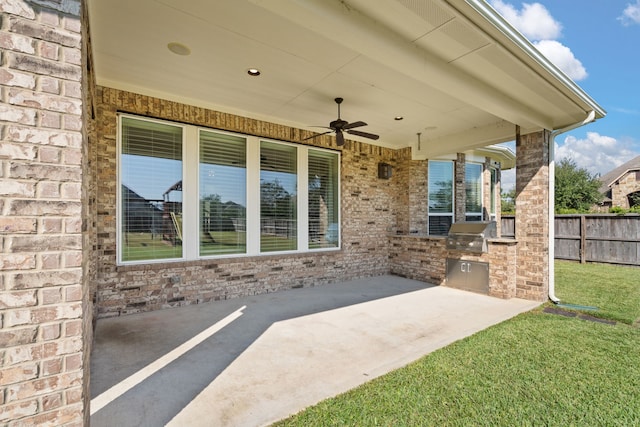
[146, 246]
[615, 290]
[535, 369]
[141, 246]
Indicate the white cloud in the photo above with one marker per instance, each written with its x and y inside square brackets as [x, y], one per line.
[563, 58]
[631, 15]
[535, 22]
[596, 153]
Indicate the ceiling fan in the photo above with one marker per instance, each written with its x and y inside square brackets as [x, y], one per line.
[339, 126]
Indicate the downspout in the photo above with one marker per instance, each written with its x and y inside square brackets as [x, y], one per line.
[552, 190]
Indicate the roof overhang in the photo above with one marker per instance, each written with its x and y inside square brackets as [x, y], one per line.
[455, 70]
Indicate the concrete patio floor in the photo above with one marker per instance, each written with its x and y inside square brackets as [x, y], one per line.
[252, 361]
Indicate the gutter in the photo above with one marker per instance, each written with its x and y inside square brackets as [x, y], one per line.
[552, 190]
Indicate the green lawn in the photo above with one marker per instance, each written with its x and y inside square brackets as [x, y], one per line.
[615, 290]
[537, 369]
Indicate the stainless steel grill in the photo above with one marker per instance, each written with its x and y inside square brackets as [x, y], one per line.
[471, 236]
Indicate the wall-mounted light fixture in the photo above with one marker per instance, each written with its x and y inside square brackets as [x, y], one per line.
[384, 170]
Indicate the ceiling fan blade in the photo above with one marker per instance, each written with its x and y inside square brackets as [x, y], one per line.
[354, 125]
[317, 135]
[339, 138]
[363, 134]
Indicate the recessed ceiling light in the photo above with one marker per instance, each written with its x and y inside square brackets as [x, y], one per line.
[398, 118]
[179, 49]
[253, 72]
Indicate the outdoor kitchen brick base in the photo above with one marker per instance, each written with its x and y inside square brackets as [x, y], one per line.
[421, 257]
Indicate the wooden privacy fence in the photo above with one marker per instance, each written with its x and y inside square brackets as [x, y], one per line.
[611, 239]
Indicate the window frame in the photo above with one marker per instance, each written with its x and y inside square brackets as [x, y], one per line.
[191, 195]
[453, 195]
[467, 213]
[493, 191]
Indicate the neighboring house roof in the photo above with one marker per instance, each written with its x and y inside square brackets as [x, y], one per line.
[455, 70]
[611, 177]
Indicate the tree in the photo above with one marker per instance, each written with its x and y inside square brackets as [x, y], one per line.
[576, 189]
[275, 200]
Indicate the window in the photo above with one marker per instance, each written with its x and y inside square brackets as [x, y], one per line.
[323, 200]
[278, 197]
[473, 192]
[440, 182]
[494, 188]
[223, 195]
[150, 190]
[190, 193]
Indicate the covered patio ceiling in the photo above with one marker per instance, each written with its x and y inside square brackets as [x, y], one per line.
[452, 69]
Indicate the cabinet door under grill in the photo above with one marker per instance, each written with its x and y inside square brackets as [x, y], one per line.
[468, 275]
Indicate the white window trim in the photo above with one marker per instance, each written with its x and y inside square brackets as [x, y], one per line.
[493, 188]
[452, 215]
[119, 206]
[482, 207]
[190, 196]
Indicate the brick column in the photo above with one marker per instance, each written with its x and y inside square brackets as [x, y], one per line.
[418, 197]
[532, 215]
[43, 301]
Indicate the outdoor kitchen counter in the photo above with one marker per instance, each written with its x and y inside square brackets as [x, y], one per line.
[423, 257]
[497, 240]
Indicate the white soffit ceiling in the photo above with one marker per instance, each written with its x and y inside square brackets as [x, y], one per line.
[419, 59]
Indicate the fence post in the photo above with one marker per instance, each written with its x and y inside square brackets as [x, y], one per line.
[583, 239]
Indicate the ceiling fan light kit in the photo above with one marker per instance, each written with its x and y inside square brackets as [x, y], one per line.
[340, 126]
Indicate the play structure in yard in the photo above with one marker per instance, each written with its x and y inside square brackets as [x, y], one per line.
[172, 215]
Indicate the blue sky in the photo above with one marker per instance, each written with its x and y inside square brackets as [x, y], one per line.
[597, 44]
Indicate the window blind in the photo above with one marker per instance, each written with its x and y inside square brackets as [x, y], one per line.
[151, 190]
[473, 190]
[278, 197]
[440, 187]
[323, 199]
[223, 179]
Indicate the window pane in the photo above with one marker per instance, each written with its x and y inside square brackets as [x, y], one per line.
[223, 195]
[151, 190]
[494, 184]
[278, 197]
[323, 199]
[473, 188]
[440, 187]
[439, 225]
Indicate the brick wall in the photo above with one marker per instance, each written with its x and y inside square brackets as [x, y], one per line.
[369, 210]
[412, 194]
[532, 220]
[42, 297]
